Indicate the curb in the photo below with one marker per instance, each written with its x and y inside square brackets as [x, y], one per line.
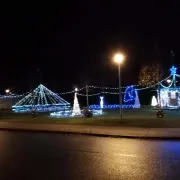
[90, 134]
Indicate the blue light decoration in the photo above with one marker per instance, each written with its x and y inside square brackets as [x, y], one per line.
[173, 71]
[110, 106]
[68, 113]
[169, 96]
[129, 95]
[41, 100]
[131, 100]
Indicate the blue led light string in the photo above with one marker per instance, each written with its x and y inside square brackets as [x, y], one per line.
[168, 85]
[44, 96]
[116, 88]
[41, 96]
[113, 93]
[39, 99]
[70, 92]
[45, 99]
[129, 94]
[55, 96]
[23, 100]
[13, 95]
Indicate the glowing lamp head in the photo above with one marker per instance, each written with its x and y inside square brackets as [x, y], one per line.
[118, 58]
[7, 91]
[168, 81]
[76, 89]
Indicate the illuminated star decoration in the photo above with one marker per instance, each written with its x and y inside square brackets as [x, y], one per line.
[173, 71]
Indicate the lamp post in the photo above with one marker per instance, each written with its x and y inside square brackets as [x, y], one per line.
[118, 59]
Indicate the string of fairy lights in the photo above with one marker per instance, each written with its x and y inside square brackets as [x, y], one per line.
[104, 90]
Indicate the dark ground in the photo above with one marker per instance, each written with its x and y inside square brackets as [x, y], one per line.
[143, 117]
[51, 156]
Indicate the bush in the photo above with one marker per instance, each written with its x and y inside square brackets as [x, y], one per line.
[87, 113]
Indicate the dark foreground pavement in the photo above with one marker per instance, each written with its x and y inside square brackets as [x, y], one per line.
[103, 131]
[56, 156]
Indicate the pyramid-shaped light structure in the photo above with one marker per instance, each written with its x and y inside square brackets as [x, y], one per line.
[41, 99]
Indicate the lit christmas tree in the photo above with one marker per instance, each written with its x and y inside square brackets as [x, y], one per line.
[136, 103]
[76, 109]
[154, 101]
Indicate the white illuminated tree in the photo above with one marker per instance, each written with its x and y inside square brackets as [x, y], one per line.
[76, 109]
[154, 101]
[136, 103]
[101, 102]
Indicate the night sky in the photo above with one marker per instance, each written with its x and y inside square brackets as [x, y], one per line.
[73, 43]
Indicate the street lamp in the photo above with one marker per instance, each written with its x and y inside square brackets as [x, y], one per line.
[7, 91]
[168, 81]
[118, 59]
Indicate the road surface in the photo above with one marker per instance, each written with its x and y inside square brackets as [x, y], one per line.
[55, 156]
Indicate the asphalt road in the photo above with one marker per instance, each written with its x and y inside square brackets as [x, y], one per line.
[54, 156]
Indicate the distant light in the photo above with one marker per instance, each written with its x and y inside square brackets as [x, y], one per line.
[169, 81]
[7, 91]
[118, 58]
[76, 89]
[173, 70]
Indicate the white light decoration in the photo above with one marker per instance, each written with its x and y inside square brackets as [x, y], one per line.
[7, 91]
[136, 103]
[97, 112]
[101, 102]
[76, 109]
[170, 95]
[65, 113]
[154, 101]
[170, 98]
[42, 100]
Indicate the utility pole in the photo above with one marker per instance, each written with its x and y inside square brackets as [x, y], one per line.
[87, 96]
[120, 91]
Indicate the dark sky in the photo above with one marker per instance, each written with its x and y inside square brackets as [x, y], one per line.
[73, 43]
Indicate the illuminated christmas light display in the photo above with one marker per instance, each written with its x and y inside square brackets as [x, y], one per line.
[136, 103]
[76, 109]
[129, 95]
[97, 112]
[154, 101]
[66, 113]
[41, 100]
[110, 106]
[101, 102]
[169, 96]
[131, 100]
